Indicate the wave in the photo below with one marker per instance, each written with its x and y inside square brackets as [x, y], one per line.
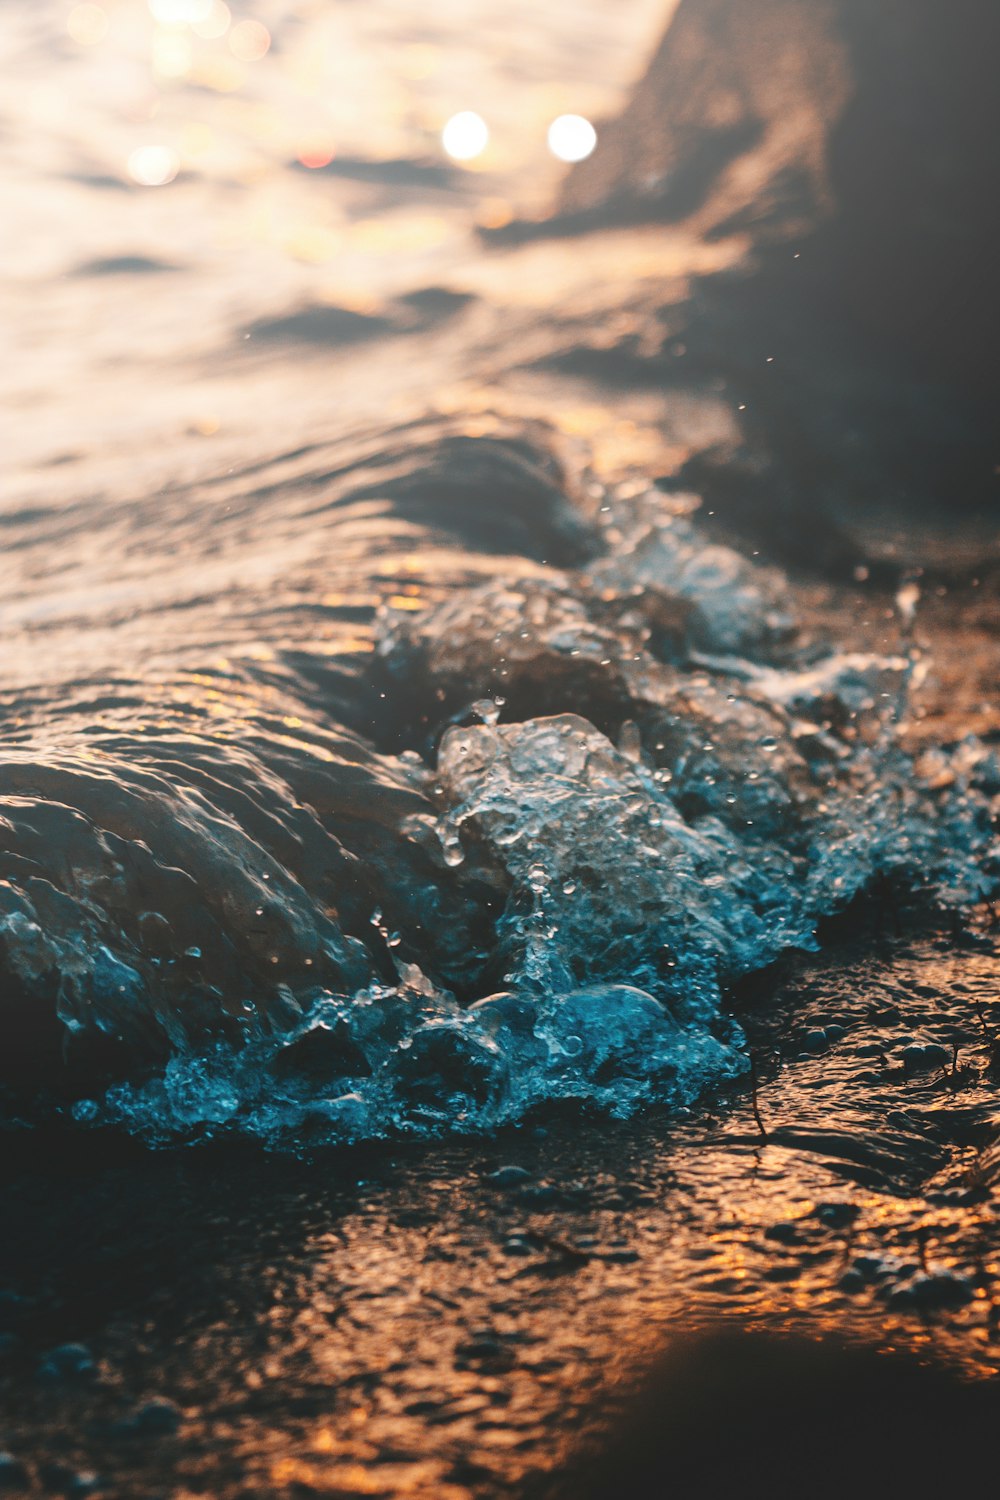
[496, 826]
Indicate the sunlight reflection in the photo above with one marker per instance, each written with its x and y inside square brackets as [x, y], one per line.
[572, 138]
[153, 166]
[180, 12]
[215, 23]
[465, 136]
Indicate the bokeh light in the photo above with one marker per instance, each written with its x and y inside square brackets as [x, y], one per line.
[171, 54]
[315, 151]
[465, 136]
[153, 166]
[572, 138]
[215, 23]
[249, 41]
[87, 24]
[180, 12]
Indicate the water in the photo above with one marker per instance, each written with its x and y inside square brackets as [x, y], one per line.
[615, 789]
[384, 750]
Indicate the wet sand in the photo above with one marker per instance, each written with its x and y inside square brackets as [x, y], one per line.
[456, 1319]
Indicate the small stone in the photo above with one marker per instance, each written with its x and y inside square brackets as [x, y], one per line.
[159, 1415]
[921, 1059]
[816, 1041]
[83, 1483]
[505, 1177]
[67, 1362]
[837, 1215]
[786, 1233]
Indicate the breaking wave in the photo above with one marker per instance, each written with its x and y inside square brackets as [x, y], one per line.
[530, 773]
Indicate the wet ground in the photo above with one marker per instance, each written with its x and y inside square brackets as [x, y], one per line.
[451, 1321]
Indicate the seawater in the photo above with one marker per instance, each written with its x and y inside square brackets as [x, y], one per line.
[511, 847]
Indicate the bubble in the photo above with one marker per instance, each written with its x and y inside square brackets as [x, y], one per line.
[153, 166]
[572, 138]
[465, 136]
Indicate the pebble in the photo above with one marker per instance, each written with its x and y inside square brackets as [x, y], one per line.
[816, 1041]
[505, 1177]
[67, 1362]
[786, 1233]
[837, 1215]
[919, 1058]
[159, 1414]
[516, 1247]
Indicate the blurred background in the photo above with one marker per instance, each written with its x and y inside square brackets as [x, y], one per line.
[182, 177]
